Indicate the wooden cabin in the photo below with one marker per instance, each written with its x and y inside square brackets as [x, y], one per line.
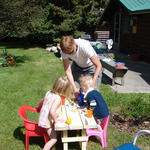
[129, 24]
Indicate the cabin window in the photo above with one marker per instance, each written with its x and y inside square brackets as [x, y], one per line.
[133, 24]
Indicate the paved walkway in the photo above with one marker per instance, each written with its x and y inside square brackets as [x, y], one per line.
[137, 79]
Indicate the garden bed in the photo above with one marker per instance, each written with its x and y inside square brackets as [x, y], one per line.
[130, 125]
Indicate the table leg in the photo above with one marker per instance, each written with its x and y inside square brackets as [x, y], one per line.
[122, 81]
[84, 143]
[65, 144]
[113, 81]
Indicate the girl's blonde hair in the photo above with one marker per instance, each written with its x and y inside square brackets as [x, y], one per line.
[86, 80]
[63, 87]
[66, 44]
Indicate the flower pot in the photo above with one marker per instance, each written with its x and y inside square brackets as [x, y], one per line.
[10, 61]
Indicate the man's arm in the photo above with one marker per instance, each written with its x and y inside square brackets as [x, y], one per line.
[98, 65]
[68, 71]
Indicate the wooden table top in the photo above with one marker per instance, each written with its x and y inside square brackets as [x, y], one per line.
[108, 62]
[78, 116]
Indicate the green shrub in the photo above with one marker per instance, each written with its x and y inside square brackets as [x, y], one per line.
[136, 108]
[3, 61]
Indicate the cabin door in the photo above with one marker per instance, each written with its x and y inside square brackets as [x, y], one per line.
[117, 26]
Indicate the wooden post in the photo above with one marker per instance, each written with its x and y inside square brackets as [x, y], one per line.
[84, 143]
[65, 144]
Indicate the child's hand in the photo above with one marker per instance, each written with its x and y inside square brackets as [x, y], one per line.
[59, 121]
[76, 93]
[84, 109]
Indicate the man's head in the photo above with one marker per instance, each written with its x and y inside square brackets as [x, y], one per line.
[67, 45]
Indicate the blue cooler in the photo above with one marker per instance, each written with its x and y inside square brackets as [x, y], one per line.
[128, 146]
[132, 146]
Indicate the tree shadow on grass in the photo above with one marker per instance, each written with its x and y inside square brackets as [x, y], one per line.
[21, 45]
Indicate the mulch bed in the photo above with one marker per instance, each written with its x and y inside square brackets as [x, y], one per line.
[130, 125]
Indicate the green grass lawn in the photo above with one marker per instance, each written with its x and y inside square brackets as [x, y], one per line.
[28, 81]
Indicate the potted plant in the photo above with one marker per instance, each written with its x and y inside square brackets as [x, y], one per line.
[7, 60]
[10, 61]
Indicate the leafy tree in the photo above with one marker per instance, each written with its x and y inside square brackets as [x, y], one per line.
[47, 20]
[13, 21]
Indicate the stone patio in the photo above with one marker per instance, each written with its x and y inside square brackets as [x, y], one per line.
[137, 79]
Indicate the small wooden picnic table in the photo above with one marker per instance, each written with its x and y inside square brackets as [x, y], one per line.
[79, 122]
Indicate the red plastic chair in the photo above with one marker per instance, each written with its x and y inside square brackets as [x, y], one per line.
[101, 134]
[31, 127]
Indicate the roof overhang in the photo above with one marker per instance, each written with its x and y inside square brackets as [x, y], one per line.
[113, 4]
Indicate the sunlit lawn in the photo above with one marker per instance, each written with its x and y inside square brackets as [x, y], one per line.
[27, 82]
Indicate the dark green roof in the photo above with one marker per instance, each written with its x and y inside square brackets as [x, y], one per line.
[136, 5]
[133, 6]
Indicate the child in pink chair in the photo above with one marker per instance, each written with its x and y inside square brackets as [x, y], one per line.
[51, 108]
[94, 99]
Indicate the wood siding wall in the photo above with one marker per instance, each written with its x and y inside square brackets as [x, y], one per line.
[138, 43]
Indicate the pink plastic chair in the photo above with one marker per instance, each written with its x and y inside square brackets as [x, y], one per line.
[101, 134]
[31, 127]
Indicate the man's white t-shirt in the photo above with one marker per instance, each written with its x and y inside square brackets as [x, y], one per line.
[83, 54]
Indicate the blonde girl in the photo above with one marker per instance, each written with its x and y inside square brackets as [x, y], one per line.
[50, 108]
